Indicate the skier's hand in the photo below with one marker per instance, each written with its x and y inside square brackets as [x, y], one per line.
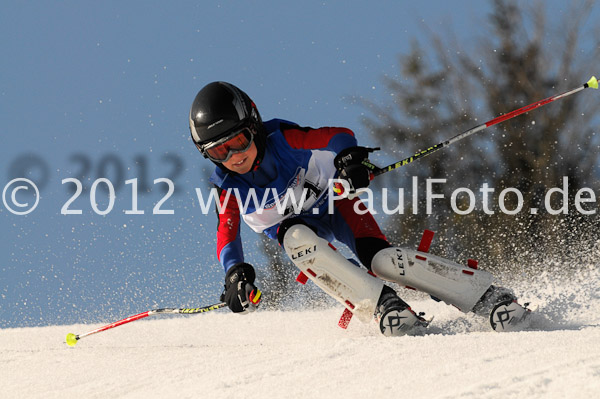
[349, 163]
[241, 295]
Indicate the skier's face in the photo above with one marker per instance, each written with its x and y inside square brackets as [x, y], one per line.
[241, 162]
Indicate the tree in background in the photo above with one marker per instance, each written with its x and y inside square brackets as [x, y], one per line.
[445, 89]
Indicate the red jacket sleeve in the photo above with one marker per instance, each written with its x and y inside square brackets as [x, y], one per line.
[229, 243]
[331, 138]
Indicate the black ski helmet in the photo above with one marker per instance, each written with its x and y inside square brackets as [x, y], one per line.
[221, 109]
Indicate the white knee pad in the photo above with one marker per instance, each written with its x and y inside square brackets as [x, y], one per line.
[350, 285]
[450, 282]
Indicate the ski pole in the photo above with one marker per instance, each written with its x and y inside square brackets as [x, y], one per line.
[376, 171]
[73, 338]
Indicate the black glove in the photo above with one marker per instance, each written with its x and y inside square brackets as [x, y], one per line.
[240, 293]
[349, 163]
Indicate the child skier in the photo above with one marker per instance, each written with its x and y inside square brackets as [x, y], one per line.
[269, 160]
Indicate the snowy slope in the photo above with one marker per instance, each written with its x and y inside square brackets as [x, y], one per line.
[302, 354]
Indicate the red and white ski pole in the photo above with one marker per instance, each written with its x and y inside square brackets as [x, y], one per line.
[73, 338]
[376, 171]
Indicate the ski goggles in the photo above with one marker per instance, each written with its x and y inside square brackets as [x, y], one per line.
[221, 150]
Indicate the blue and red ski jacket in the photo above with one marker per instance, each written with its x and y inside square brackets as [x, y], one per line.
[296, 159]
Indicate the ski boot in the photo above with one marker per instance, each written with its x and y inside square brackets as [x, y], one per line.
[395, 317]
[505, 313]
[493, 296]
[509, 316]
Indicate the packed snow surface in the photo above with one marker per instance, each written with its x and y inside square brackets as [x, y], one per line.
[303, 354]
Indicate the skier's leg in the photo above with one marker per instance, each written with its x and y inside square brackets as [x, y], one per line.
[445, 280]
[361, 293]
[352, 286]
[352, 224]
[467, 288]
[358, 230]
[355, 226]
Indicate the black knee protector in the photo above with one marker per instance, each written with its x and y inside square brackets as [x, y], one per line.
[367, 247]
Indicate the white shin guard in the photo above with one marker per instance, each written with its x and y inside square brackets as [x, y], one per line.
[450, 282]
[350, 285]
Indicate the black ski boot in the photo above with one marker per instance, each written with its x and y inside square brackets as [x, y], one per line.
[493, 296]
[395, 317]
[505, 313]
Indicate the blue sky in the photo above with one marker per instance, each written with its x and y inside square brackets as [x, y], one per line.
[105, 88]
